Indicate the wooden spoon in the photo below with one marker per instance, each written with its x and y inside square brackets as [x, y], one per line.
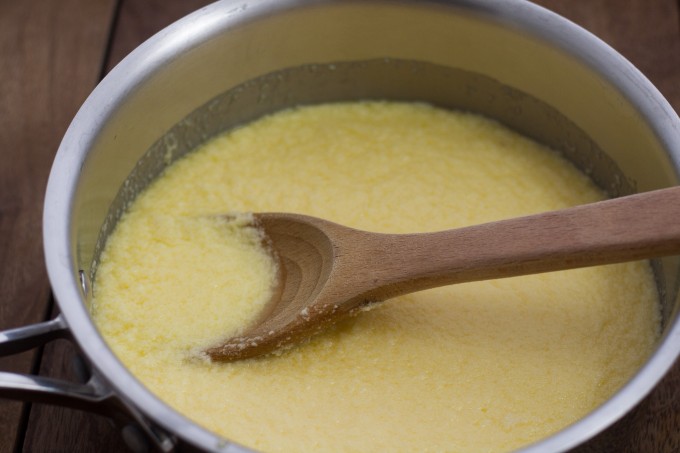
[329, 271]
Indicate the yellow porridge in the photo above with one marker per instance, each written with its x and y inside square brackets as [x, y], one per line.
[488, 366]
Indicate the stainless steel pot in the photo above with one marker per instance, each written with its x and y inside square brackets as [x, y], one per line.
[234, 61]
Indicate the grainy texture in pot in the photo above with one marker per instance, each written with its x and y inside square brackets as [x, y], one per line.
[487, 366]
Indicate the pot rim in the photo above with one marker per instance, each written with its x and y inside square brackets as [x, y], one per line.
[214, 19]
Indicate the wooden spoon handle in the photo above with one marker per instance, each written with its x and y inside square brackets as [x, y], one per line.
[640, 226]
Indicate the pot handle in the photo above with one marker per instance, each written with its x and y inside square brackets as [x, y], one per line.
[92, 396]
[95, 395]
[17, 340]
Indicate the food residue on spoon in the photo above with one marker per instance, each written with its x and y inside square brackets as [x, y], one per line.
[486, 366]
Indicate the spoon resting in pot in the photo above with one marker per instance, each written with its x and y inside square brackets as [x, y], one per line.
[329, 271]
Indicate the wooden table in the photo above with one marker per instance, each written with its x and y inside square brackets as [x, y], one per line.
[53, 53]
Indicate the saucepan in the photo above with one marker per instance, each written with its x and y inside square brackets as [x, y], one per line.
[234, 61]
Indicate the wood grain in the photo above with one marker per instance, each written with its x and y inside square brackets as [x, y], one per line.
[51, 53]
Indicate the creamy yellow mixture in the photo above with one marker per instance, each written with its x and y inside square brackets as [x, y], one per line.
[487, 366]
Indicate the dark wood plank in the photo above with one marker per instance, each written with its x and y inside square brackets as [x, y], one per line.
[51, 58]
